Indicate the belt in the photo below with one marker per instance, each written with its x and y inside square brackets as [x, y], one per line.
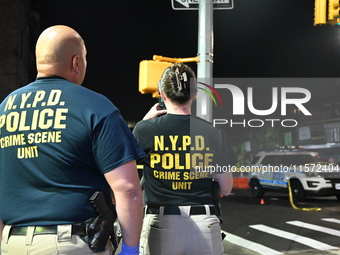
[45, 230]
[174, 210]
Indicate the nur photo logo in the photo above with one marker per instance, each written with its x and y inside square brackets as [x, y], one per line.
[210, 94]
[255, 102]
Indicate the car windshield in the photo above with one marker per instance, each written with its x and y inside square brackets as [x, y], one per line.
[301, 159]
[254, 160]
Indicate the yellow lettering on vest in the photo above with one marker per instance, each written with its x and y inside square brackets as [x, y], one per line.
[181, 185]
[186, 141]
[155, 158]
[28, 152]
[159, 143]
[10, 103]
[199, 142]
[39, 96]
[173, 140]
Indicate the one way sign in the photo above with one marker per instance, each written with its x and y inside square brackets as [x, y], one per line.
[193, 4]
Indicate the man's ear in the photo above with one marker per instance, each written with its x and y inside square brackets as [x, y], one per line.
[75, 63]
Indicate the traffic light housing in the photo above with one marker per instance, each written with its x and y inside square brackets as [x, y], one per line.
[327, 12]
[333, 10]
[320, 12]
[150, 72]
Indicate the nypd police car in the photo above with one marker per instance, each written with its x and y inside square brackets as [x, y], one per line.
[306, 173]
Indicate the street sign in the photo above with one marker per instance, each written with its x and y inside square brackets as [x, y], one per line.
[193, 4]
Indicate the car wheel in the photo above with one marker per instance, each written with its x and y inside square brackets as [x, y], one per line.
[298, 192]
[255, 188]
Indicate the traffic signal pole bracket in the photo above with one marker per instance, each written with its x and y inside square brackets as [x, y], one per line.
[174, 60]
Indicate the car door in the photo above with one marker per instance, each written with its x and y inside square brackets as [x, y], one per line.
[266, 175]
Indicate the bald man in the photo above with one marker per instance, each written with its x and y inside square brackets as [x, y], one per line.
[59, 143]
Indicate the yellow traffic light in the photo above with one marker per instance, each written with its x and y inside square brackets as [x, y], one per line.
[150, 73]
[320, 12]
[333, 9]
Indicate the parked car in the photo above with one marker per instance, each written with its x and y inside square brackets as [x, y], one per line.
[307, 173]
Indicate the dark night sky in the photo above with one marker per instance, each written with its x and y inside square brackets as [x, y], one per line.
[262, 38]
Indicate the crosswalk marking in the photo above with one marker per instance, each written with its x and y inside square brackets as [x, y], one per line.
[331, 220]
[259, 248]
[315, 227]
[296, 238]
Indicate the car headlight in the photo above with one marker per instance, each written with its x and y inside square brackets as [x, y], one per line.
[311, 174]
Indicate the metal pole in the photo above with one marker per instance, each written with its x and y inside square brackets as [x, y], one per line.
[205, 57]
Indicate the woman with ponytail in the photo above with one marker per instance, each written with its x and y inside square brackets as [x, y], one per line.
[181, 178]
